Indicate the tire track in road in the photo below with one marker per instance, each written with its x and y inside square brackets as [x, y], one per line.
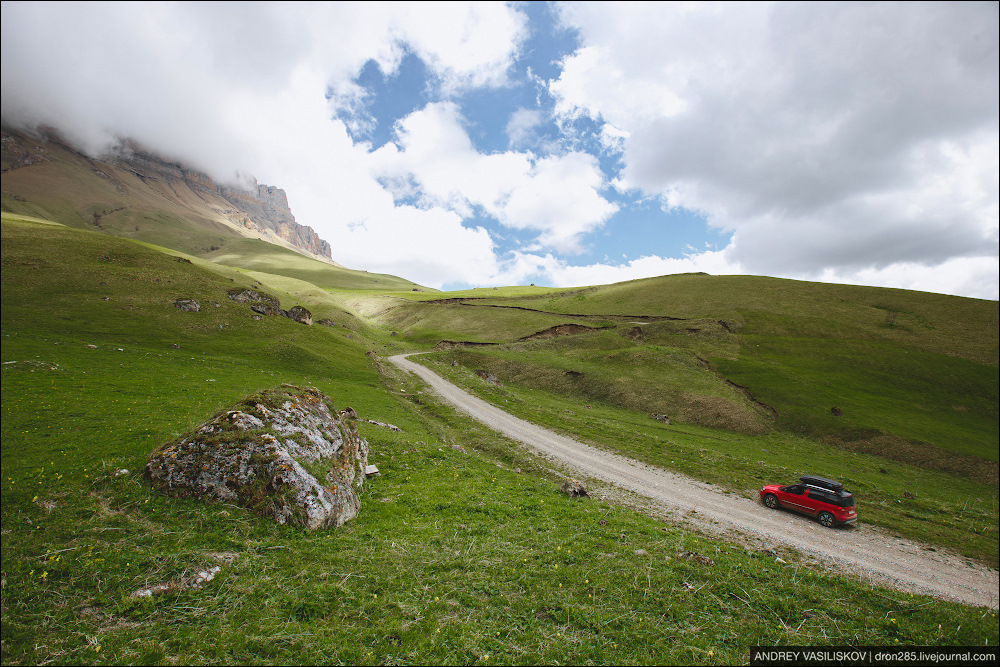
[870, 552]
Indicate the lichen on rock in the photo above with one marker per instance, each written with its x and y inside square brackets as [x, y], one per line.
[262, 454]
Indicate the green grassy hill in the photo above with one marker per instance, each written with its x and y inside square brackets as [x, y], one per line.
[908, 375]
[464, 551]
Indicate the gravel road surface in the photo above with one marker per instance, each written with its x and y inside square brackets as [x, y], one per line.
[862, 549]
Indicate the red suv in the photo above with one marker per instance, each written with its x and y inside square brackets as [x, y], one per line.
[822, 498]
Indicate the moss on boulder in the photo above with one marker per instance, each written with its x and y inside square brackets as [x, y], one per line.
[259, 455]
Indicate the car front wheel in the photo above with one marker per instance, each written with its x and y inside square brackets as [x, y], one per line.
[771, 501]
[827, 519]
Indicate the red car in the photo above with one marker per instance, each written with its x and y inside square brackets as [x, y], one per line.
[822, 498]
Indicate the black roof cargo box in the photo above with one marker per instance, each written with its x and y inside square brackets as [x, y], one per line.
[822, 482]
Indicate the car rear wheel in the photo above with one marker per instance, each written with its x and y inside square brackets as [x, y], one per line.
[771, 501]
[827, 519]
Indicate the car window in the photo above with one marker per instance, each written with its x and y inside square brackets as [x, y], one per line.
[840, 499]
[825, 496]
[795, 489]
[844, 499]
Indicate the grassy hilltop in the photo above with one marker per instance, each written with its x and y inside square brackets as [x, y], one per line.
[464, 551]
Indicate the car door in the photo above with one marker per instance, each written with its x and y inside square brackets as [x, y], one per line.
[794, 497]
[815, 501]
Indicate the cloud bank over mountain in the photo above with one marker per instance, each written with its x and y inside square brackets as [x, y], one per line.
[472, 144]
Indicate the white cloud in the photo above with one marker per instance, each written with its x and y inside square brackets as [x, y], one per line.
[561, 200]
[848, 142]
[468, 44]
[240, 88]
[713, 262]
[964, 276]
[832, 139]
[435, 161]
[521, 126]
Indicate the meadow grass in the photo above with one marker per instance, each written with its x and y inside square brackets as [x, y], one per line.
[257, 255]
[464, 551]
[945, 510]
[456, 557]
[926, 381]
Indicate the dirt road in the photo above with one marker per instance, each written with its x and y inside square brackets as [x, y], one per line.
[863, 549]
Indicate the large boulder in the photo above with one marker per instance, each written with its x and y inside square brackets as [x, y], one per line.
[268, 453]
[300, 314]
[260, 302]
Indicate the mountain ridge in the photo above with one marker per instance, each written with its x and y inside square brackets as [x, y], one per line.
[254, 210]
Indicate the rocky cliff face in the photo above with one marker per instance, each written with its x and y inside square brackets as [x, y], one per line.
[257, 209]
[256, 206]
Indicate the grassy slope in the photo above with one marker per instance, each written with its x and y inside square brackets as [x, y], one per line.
[927, 375]
[66, 187]
[927, 417]
[70, 188]
[928, 505]
[256, 255]
[453, 559]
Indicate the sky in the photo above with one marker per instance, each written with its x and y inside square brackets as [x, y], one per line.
[476, 144]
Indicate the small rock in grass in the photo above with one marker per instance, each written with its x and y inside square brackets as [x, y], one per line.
[574, 489]
[189, 305]
[696, 557]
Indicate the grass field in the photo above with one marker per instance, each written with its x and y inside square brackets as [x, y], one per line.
[464, 551]
[911, 374]
[945, 509]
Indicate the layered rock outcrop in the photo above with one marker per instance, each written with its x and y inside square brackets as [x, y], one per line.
[255, 206]
[268, 454]
[265, 304]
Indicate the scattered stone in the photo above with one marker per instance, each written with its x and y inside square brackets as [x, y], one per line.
[640, 552]
[696, 557]
[391, 427]
[372, 471]
[197, 580]
[326, 322]
[459, 448]
[265, 308]
[300, 315]
[660, 418]
[189, 305]
[489, 377]
[256, 456]
[574, 489]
